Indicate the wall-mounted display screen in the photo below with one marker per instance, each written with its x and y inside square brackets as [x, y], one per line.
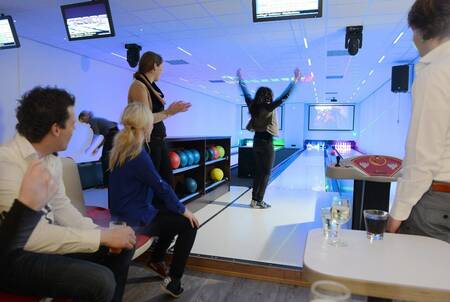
[272, 10]
[8, 35]
[331, 117]
[245, 117]
[88, 20]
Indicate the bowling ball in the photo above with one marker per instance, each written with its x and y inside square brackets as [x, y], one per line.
[196, 156]
[216, 174]
[206, 155]
[211, 153]
[190, 185]
[216, 152]
[221, 151]
[183, 158]
[333, 152]
[190, 157]
[174, 160]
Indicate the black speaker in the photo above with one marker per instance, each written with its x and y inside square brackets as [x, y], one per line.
[400, 78]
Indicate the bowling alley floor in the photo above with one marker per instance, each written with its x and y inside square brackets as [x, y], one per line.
[232, 230]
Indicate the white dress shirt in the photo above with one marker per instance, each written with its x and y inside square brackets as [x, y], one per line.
[428, 143]
[62, 229]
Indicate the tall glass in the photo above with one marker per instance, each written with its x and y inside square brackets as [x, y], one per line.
[340, 214]
[113, 225]
[327, 225]
[329, 291]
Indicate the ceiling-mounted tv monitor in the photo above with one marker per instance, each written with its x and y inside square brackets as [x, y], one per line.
[272, 10]
[88, 20]
[8, 35]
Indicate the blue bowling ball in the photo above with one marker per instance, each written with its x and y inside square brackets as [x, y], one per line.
[190, 185]
[196, 156]
[211, 153]
[183, 158]
[206, 155]
[190, 157]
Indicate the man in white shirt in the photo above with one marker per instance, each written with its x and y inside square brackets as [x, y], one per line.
[81, 266]
[422, 202]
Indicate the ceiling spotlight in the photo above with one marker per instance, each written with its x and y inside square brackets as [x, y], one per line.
[333, 100]
[353, 39]
[133, 54]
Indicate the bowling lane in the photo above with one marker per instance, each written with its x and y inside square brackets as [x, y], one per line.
[276, 235]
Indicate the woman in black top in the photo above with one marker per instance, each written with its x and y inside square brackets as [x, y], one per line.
[265, 125]
[144, 89]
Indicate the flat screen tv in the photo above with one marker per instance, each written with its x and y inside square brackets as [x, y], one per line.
[8, 35]
[331, 117]
[245, 117]
[272, 10]
[88, 20]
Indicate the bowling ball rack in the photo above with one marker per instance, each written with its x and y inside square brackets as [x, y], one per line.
[199, 169]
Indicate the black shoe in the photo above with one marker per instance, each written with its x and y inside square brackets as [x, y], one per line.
[172, 287]
[263, 205]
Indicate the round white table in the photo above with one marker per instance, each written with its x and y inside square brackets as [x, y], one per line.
[404, 267]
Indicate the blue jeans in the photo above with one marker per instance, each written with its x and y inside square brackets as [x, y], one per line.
[97, 277]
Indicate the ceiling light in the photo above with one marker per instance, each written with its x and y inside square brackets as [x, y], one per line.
[312, 74]
[309, 62]
[398, 38]
[212, 67]
[314, 83]
[381, 59]
[357, 89]
[371, 72]
[306, 42]
[185, 51]
[183, 79]
[363, 82]
[117, 55]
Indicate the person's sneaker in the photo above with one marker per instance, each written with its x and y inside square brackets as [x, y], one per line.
[253, 204]
[263, 205]
[172, 287]
[159, 268]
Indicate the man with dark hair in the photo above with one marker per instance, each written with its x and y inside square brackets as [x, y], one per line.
[45, 125]
[422, 201]
[108, 129]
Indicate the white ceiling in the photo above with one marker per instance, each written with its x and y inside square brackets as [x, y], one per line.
[221, 33]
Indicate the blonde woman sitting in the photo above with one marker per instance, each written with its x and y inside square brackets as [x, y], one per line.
[134, 182]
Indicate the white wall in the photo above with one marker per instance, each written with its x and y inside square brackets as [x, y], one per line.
[332, 135]
[384, 122]
[102, 88]
[293, 123]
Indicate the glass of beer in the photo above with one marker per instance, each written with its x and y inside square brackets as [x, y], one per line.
[329, 291]
[376, 222]
[113, 225]
[340, 214]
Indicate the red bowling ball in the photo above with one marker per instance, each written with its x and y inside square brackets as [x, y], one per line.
[174, 160]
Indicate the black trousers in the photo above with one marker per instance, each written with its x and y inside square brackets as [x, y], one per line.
[98, 277]
[107, 146]
[166, 225]
[263, 155]
[159, 152]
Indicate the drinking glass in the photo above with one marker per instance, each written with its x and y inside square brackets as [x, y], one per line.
[113, 225]
[340, 214]
[327, 225]
[329, 291]
[376, 222]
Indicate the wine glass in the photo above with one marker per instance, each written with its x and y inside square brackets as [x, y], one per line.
[329, 291]
[340, 214]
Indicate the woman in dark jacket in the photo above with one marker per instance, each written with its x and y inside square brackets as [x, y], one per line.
[265, 125]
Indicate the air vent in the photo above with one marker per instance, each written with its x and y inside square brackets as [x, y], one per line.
[337, 53]
[217, 81]
[177, 62]
[335, 77]
[331, 93]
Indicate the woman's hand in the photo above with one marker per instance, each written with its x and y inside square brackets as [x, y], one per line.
[239, 74]
[177, 107]
[192, 219]
[297, 75]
